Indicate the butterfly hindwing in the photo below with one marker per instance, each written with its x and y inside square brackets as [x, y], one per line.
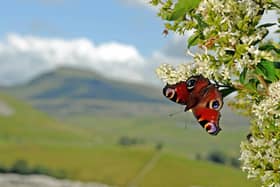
[207, 111]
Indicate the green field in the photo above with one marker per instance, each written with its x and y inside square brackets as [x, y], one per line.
[86, 148]
[179, 136]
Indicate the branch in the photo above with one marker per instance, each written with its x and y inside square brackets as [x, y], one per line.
[262, 81]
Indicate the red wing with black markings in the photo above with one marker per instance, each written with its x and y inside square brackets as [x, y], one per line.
[200, 96]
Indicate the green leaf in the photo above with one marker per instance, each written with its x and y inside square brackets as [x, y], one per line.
[266, 25]
[230, 52]
[193, 39]
[226, 91]
[269, 47]
[154, 2]
[201, 23]
[275, 5]
[182, 7]
[242, 76]
[268, 70]
[277, 65]
[252, 84]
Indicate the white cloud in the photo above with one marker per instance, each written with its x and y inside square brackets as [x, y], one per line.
[136, 2]
[176, 46]
[23, 57]
[140, 3]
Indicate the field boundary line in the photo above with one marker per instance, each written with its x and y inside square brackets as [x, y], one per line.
[147, 167]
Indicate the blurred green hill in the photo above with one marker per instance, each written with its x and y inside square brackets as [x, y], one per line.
[66, 82]
[91, 134]
[89, 103]
[70, 91]
[29, 135]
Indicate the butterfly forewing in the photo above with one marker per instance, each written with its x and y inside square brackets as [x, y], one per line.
[186, 92]
[177, 93]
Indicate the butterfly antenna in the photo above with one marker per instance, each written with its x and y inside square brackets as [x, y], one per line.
[172, 114]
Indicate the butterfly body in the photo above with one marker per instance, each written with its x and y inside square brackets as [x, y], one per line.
[202, 97]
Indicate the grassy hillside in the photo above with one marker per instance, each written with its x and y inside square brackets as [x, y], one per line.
[68, 92]
[114, 118]
[76, 84]
[32, 136]
[192, 173]
[88, 154]
[103, 117]
[178, 136]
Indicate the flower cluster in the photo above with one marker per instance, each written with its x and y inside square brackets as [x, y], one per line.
[260, 159]
[227, 31]
[253, 56]
[268, 109]
[230, 25]
[261, 155]
[171, 75]
[231, 36]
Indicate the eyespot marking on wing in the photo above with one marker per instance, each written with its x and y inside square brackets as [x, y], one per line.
[191, 83]
[169, 93]
[215, 104]
[212, 129]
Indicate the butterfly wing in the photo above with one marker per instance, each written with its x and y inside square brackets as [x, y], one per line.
[207, 111]
[186, 92]
[202, 97]
[177, 93]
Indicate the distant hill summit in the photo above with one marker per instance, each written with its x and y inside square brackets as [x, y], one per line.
[66, 82]
[70, 91]
[78, 92]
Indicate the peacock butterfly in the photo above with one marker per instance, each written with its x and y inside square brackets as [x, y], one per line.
[200, 96]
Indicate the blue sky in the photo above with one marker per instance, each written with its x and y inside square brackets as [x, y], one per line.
[123, 37]
[120, 39]
[99, 21]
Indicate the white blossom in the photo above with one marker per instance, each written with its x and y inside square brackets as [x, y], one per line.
[172, 75]
[230, 39]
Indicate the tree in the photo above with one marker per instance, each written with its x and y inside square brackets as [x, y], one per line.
[234, 52]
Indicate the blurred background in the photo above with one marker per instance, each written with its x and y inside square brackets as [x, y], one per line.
[80, 100]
